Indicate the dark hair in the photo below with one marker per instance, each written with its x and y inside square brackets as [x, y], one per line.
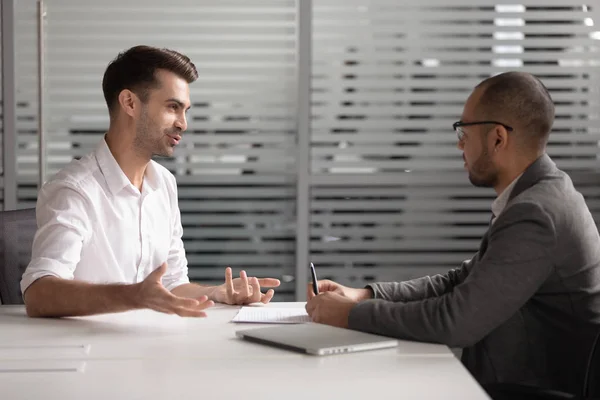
[135, 69]
[520, 100]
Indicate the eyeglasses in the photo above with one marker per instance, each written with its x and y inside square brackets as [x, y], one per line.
[457, 126]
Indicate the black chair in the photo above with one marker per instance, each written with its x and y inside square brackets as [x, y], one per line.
[17, 229]
[589, 384]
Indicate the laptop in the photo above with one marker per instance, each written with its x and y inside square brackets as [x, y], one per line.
[316, 339]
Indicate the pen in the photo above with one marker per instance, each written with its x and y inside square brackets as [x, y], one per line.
[314, 278]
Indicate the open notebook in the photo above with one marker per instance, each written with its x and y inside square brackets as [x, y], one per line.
[271, 315]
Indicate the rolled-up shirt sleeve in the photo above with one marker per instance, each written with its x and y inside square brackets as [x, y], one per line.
[63, 221]
[177, 272]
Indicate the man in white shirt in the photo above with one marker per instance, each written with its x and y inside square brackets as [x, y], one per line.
[109, 226]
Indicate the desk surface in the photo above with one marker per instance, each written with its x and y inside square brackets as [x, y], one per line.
[143, 354]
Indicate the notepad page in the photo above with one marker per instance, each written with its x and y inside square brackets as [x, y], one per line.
[269, 315]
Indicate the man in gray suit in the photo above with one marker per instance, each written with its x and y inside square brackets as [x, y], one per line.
[520, 306]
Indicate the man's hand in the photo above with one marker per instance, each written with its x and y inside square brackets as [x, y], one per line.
[152, 294]
[330, 308]
[243, 290]
[326, 285]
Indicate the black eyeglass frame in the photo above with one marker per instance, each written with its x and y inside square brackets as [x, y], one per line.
[460, 124]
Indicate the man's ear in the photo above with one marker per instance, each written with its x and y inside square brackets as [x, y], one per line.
[500, 137]
[128, 101]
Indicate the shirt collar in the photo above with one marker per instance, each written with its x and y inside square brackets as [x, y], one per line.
[114, 175]
[499, 204]
[151, 177]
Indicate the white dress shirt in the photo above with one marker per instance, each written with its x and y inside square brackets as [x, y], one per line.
[499, 204]
[95, 226]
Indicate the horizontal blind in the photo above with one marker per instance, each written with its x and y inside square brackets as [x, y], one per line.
[26, 72]
[1, 135]
[390, 197]
[235, 165]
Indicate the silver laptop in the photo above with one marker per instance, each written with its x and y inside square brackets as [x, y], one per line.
[317, 339]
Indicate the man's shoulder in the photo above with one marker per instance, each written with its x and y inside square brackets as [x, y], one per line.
[77, 175]
[554, 197]
[551, 190]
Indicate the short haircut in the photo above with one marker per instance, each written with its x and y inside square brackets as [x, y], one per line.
[135, 69]
[520, 100]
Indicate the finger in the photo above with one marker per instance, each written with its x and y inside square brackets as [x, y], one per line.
[310, 293]
[229, 283]
[171, 301]
[245, 290]
[269, 282]
[162, 309]
[329, 296]
[267, 296]
[256, 294]
[204, 303]
[158, 272]
[184, 312]
[202, 299]
[325, 285]
[191, 311]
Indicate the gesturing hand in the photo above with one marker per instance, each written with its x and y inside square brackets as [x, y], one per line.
[151, 294]
[243, 290]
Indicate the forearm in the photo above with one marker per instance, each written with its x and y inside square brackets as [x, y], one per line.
[55, 297]
[519, 258]
[408, 321]
[193, 291]
[421, 288]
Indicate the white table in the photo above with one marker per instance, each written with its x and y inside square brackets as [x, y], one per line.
[148, 355]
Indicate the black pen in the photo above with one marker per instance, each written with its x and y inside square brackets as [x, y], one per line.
[314, 278]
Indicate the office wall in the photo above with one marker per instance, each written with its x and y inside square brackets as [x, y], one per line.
[235, 165]
[388, 196]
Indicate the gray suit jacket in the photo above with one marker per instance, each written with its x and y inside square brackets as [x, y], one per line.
[522, 304]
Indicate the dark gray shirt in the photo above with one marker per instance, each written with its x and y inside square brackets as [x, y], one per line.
[532, 288]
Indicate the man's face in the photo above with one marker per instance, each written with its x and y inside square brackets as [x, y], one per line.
[162, 119]
[475, 146]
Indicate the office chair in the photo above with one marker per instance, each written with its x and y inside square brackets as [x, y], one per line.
[589, 387]
[17, 229]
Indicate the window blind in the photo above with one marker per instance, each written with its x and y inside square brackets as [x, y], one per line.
[389, 198]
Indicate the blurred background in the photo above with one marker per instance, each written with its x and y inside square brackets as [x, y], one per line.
[320, 131]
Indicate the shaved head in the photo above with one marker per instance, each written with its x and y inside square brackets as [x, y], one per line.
[520, 100]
